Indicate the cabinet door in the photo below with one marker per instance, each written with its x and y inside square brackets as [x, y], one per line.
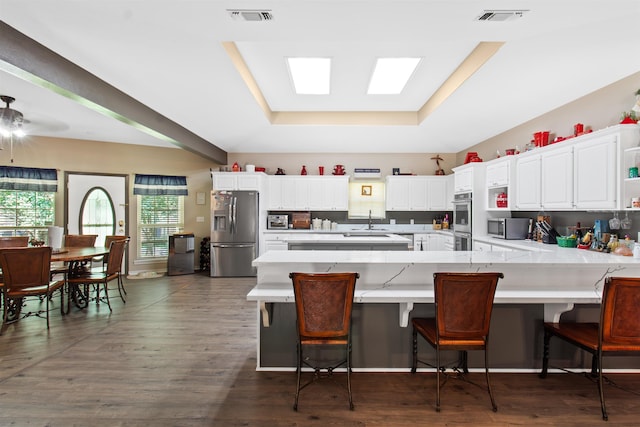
[498, 174]
[595, 174]
[274, 197]
[528, 182]
[224, 181]
[463, 180]
[449, 243]
[397, 194]
[436, 242]
[336, 194]
[418, 194]
[248, 182]
[557, 179]
[438, 193]
[281, 193]
[301, 196]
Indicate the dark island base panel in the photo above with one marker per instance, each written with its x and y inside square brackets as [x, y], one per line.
[379, 342]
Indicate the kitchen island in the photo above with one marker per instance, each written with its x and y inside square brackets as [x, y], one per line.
[394, 286]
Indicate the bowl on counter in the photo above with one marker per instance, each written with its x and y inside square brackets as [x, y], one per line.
[567, 241]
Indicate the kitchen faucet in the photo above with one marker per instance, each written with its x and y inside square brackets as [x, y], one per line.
[370, 223]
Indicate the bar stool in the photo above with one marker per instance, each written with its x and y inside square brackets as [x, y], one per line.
[464, 302]
[617, 333]
[323, 318]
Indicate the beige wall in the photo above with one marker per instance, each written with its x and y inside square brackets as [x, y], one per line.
[110, 158]
[597, 110]
[419, 163]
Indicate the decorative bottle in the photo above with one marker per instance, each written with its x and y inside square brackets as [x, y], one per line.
[304, 170]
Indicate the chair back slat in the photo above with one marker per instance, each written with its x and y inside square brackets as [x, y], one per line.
[25, 267]
[323, 303]
[116, 253]
[620, 320]
[80, 240]
[464, 303]
[14, 242]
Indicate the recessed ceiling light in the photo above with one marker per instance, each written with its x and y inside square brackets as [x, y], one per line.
[391, 75]
[311, 76]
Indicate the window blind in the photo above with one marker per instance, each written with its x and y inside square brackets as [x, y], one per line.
[160, 185]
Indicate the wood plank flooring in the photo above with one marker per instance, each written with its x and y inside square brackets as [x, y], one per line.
[181, 352]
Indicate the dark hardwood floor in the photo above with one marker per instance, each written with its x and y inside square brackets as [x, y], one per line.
[181, 352]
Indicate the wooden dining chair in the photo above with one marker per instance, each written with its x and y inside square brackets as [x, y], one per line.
[14, 241]
[323, 318]
[26, 273]
[463, 304]
[102, 278]
[11, 242]
[79, 240]
[617, 333]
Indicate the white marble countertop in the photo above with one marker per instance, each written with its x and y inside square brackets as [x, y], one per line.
[552, 255]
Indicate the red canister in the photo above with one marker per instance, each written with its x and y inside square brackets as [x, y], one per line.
[501, 200]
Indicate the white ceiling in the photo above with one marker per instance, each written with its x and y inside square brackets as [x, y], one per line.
[169, 56]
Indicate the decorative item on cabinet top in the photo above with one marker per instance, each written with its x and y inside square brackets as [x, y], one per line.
[366, 173]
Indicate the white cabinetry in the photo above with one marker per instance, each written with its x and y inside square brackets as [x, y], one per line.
[556, 168]
[439, 198]
[237, 180]
[528, 182]
[463, 180]
[595, 173]
[330, 193]
[275, 242]
[430, 242]
[397, 197]
[499, 180]
[417, 193]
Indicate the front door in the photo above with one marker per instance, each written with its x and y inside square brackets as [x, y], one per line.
[96, 204]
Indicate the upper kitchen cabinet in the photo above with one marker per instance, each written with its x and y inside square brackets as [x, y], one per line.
[595, 173]
[416, 193]
[316, 193]
[238, 180]
[600, 168]
[463, 179]
[556, 168]
[586, 172]
[528, 194]
[500, 180]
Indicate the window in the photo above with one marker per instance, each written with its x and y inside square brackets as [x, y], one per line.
[158, 217]
[366, 200]
[26, 213]
[97, 215]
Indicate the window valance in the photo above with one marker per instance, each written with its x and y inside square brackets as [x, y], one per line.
[160, 185]
[28, 179]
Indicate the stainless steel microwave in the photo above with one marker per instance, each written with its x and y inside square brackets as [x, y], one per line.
[277, 222]
[508, 228]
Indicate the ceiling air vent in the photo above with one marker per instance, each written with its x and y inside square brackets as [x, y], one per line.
[250, 15]
[501, 15]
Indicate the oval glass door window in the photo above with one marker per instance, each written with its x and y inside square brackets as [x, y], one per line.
[97, 215]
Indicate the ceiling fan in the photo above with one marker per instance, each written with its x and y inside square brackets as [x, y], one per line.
[10, 120]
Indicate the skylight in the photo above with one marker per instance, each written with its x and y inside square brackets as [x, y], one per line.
[391, 75]
[311, 76]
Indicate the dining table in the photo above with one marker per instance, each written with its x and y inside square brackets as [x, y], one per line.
[78, 261]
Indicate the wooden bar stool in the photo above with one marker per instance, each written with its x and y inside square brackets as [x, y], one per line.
[618, 331]
[323, 309]
[464, 302]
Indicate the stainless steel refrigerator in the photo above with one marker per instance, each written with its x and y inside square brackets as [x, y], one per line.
[234, 233]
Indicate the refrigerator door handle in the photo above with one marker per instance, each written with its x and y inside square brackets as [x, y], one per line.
[234, 208]
[218, 245]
